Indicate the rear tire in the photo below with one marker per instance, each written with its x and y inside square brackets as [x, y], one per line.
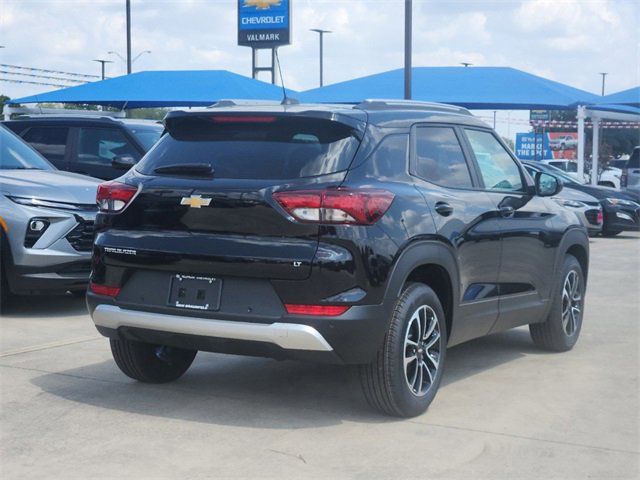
[610, 233]
[404, 377]
[561, 330]
[151, 363]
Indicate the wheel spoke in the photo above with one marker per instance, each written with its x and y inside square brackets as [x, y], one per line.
[433, 361]
[431, 327]
[408, 360]
[435, 338]
[418, 388]
[424, 366]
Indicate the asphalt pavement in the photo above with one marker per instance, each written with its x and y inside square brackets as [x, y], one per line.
[505, 410]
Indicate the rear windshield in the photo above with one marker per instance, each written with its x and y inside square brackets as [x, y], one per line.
[255, 147]
[147, 135]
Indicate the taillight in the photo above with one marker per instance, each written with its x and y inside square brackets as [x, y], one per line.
[105, 290]
[600, 217]
[114, 196]
[318, 310]
[243, 119]
[336, 206]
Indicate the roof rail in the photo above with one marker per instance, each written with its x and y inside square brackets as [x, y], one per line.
[241, 103]
[10, 110]
[384, 104]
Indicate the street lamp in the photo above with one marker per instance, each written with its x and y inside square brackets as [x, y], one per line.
[604, 74]
[408, 39]
[321, 33]
[102, 62]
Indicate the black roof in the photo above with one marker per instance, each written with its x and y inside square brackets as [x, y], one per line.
[386, 113]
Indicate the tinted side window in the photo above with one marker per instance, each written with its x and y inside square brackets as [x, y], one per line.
[634, 160]
[439, 157]
[499, 171]
[51, 142]
[99, 146]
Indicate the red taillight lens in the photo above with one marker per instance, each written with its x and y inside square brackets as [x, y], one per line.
[243, 119]
[336, 206]
[600, 217]
[104, 290]
[318, 310]
[114, 196]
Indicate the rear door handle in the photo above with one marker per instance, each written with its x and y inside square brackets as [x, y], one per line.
[506, 211]
[444, 209]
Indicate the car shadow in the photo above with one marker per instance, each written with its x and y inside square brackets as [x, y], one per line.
[19, 306]
[255, 392]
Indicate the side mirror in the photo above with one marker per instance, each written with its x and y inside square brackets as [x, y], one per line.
[547, 185]
[123, 162]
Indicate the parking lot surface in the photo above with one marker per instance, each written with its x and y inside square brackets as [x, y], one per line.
[504, 410]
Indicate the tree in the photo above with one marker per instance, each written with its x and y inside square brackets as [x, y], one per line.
[509, 143]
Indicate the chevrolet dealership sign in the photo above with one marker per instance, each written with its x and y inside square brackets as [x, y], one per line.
[264, 23]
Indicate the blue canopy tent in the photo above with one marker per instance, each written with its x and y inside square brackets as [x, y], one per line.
[177, 88]
[630, 97]
[483, 88]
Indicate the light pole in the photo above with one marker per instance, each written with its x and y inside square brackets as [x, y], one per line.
[129, 61]
[102, 62]
[604, 74]
[408, 25]
[321, 33]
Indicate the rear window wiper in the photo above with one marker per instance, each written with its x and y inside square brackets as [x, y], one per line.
[187, 169]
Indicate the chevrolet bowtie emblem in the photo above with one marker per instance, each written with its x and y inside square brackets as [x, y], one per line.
[262, 4]
[195, 201]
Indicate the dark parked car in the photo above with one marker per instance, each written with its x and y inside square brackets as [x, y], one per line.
[621, 209]
[101, 147]
[375, 235]
[630, 179]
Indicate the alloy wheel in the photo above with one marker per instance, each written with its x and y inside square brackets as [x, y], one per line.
[422, 346]
[571, 303]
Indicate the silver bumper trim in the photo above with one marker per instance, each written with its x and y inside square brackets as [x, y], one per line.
[290, 336]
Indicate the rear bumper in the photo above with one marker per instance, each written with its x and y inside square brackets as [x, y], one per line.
[285, 335]
[352, 338]
[72, 276]
[622, 218]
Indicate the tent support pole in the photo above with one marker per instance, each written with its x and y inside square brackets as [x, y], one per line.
[595, 150]
[581, 116]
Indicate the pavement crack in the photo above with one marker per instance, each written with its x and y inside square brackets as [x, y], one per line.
[47, 346]
[80, 377]
[298, 457]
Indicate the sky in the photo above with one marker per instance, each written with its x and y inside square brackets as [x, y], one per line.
[570, 41]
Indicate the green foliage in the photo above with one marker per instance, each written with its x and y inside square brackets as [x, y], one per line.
[148, 113]
[509, 143]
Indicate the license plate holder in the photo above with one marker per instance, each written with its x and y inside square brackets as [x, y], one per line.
[194, 292]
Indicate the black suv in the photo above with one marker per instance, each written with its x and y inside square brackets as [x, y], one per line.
[374, 235]
[101, 147]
